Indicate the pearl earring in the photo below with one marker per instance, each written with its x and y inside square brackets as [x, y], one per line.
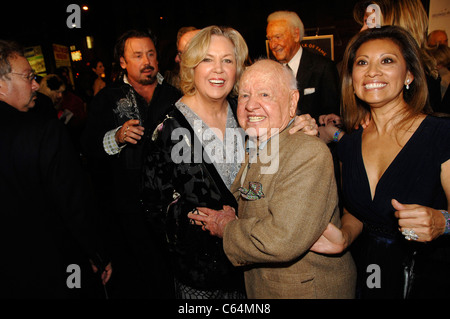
[407, 84]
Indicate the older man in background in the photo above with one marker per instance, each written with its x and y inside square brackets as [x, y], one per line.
[317, 76]
[46, 228]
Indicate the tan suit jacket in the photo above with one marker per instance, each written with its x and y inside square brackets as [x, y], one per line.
[273, 234]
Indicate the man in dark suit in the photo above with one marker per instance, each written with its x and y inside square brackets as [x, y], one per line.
[122, 117]
[45, 231]
[317, 76]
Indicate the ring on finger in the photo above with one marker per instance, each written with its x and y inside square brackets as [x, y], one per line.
[196, 212]
[410, 234]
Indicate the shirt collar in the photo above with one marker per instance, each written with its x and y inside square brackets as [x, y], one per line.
[159, 79]
[294, 63]
[251, 143]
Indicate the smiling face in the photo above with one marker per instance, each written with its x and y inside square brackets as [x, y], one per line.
[380, 73]
[265, 101]
[215, 75]
[284, 41]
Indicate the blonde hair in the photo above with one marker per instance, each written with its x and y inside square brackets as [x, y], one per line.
[197, 50]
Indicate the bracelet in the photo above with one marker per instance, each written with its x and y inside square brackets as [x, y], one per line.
[336, 135]
[447, 221]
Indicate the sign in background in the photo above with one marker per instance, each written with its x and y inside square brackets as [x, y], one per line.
[320, 44]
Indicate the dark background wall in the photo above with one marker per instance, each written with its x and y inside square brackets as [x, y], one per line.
[44, 22]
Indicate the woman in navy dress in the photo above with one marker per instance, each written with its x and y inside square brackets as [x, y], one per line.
[395, 171]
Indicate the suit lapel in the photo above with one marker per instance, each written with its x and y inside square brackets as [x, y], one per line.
[253, 173]
[304, 71]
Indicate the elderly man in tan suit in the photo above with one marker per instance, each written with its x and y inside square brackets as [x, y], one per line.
[287, 195]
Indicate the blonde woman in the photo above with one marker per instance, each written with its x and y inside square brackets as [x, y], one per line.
[180, 174]
[195, 155]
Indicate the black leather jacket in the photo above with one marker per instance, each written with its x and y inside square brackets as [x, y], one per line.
[171, 191]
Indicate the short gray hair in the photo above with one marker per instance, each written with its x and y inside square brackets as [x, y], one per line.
[8, 50]
[285, 73]
[291, 17]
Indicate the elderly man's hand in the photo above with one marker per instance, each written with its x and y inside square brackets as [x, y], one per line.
[212, 220]
[305, 123]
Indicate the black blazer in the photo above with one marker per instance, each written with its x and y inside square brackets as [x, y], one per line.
[172, 190]
[117, 184]
[44, 207]
[318, 83]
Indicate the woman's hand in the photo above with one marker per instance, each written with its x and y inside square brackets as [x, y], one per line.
[427, 223]
[328, 126]
[332, 241]
[330, 119]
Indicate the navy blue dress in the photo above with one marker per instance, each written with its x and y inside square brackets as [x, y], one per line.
[402, 268]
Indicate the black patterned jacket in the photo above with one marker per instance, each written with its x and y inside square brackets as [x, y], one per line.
[172, 190]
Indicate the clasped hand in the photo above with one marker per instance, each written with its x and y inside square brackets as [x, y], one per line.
[106, 273]
[305, 123]
[212, 220]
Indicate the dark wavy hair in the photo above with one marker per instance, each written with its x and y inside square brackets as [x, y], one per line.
[119, 48]
[354, 110]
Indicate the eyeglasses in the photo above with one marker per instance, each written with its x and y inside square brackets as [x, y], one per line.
[30, 77]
